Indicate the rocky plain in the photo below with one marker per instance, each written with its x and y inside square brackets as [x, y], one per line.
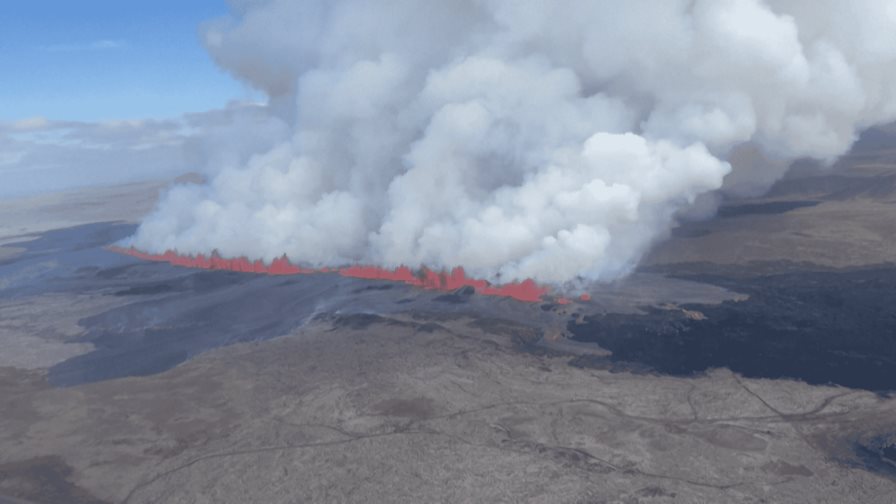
[751, 358]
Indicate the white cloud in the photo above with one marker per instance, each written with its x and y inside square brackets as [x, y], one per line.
[40, 155]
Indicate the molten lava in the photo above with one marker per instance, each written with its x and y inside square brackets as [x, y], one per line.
[527, 290]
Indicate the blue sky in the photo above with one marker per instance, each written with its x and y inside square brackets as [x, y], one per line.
[90, 60]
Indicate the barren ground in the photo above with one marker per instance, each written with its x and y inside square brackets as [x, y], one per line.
[382, 394]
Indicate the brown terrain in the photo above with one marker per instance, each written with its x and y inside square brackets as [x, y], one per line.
[416, 404]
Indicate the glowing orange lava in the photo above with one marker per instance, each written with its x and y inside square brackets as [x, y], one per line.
[527, 290]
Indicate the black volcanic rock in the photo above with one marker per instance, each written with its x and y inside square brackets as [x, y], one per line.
[820, 327]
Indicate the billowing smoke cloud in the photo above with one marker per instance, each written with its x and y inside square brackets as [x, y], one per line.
[550, 139]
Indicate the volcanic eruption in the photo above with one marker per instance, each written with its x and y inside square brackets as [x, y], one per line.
[529, 143]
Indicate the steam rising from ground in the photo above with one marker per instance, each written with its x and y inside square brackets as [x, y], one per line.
[548, 139]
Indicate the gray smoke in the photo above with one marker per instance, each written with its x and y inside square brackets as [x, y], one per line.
[545, 139]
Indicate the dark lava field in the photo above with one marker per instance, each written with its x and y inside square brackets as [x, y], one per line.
[763, 338]
[821, 327]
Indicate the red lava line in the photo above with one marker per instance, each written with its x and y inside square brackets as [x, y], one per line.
[526, 291]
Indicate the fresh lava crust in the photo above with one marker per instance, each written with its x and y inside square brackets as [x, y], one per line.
[527, 291]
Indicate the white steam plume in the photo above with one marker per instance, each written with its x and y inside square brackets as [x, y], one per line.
[550, 139]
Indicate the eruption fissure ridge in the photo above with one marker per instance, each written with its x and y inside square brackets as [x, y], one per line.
[425, 278]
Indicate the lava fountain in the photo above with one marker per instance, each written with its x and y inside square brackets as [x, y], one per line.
[526, 291]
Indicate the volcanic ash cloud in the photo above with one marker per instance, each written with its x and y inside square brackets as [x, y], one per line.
[551, 140]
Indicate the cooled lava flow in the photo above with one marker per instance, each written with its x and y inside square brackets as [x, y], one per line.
[527, 290]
